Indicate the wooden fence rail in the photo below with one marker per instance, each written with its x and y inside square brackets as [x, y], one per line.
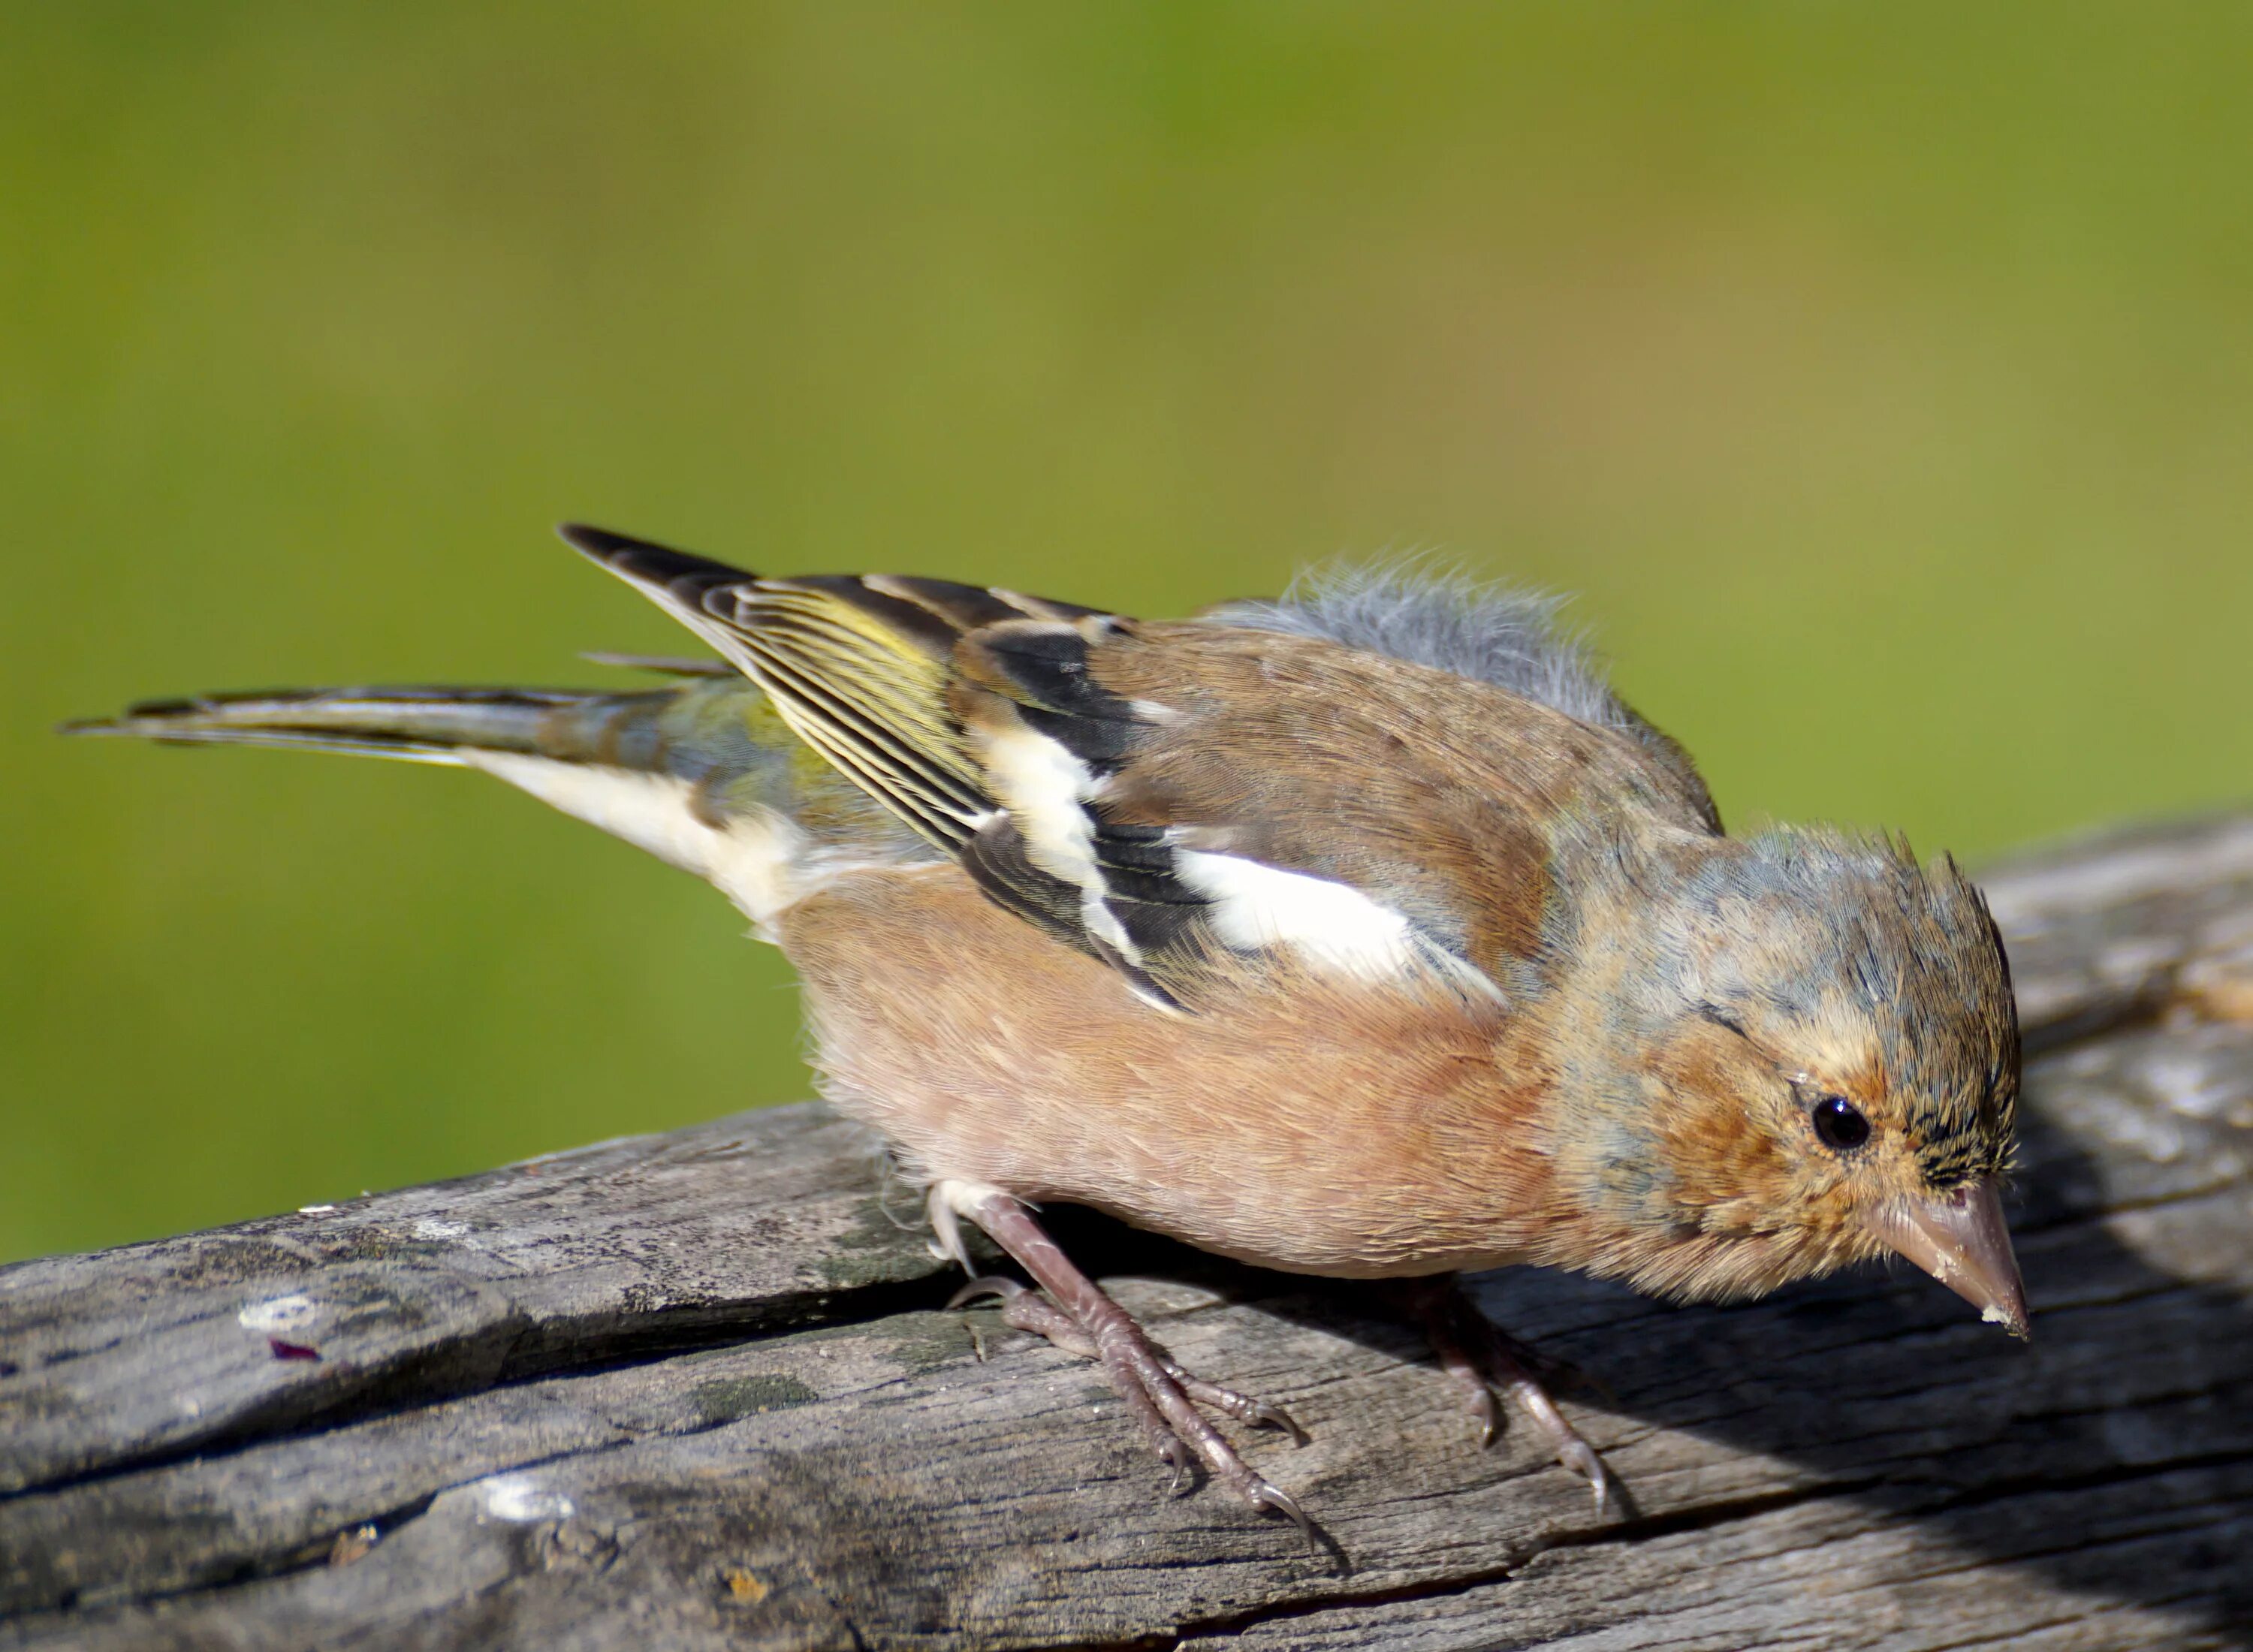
[700, 1390]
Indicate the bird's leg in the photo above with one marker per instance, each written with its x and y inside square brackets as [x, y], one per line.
[1080, 1317]
[1027, 1310]
[1481, 1356]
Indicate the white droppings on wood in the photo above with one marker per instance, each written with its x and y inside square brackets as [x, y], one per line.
[290, 1312]
[520, 1498]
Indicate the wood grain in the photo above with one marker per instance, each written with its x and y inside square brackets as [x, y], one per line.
[700, 1390]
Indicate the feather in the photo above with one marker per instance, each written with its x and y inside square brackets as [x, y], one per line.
[1451, 621]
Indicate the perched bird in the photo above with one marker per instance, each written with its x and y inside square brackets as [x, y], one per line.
[1364, 934]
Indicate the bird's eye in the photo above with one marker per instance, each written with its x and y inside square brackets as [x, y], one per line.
[1839, 1123]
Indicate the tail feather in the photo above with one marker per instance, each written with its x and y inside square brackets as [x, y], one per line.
[662, 664]
[419, 725]
[702, 774]
[756, 774]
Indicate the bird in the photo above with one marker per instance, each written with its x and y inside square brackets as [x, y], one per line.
[1363, 933]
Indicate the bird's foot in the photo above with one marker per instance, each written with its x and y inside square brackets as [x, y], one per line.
[1024, 1309]
[1481, 1358]
[1078, 1316]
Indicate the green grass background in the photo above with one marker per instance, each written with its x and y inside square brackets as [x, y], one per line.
[1882, 377]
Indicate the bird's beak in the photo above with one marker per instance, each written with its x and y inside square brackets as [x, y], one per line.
[1959, 1238]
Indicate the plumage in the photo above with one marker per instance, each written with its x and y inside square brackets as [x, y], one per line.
[1364, 933]
[702, 774]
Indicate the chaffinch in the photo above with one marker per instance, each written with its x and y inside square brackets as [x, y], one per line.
[1366, 934]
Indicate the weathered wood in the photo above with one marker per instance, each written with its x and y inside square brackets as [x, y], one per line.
[699, 1391]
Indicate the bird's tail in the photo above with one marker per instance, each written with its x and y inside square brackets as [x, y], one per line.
[703, 773]
[417, 725]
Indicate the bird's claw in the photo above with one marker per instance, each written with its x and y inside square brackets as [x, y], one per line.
[1253, 1413]
[1482, 1357]
[985, 1284]
[1176, 1457]
[1269, 1499]
[1580, 1457]
[1072, 1312]
[1263, 1415]
[1486, 1411]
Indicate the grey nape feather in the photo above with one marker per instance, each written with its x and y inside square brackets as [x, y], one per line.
[1447, 620]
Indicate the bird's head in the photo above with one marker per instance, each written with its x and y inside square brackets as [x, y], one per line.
[1827, 1070]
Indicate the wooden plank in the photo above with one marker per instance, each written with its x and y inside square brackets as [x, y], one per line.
[699, 1391]
[629, 1246]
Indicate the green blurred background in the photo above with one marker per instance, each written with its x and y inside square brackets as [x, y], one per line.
[1881, 377]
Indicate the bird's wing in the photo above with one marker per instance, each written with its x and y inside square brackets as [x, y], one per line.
[859, 667]
[1176, 798]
